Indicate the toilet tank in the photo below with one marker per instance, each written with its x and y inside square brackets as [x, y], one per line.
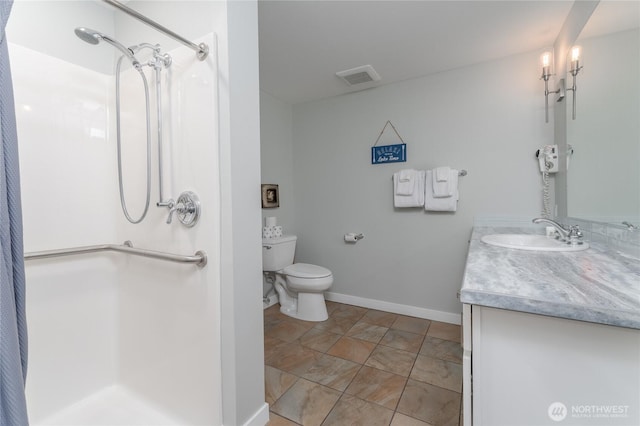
[277, 253]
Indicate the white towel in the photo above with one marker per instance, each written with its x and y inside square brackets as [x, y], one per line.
[442, 174]
[406, 181]
[445, 182]
[416, 199]
[440, 204]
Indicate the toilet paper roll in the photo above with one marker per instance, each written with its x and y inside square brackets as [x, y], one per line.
[277, 231]
[350, 238]
[271, 221]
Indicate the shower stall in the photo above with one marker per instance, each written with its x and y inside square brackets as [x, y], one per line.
[116, 338]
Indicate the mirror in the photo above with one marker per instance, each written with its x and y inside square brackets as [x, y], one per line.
[603, 178]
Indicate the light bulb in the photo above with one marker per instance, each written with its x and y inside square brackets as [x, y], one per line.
[575, 53]
[545, 59]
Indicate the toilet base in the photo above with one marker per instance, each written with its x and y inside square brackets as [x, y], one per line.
[306, 307]
[302, 306]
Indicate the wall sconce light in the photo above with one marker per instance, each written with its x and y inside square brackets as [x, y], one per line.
[575, 69]
[546, 59]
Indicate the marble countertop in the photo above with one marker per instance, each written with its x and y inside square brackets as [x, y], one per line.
[596, 285]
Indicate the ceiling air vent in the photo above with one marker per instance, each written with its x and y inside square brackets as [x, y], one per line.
[359, 75]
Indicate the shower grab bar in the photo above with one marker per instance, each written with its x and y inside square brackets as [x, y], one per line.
[200, 258]
[202, 50]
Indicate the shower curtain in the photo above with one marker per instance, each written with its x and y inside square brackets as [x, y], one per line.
[13, 327]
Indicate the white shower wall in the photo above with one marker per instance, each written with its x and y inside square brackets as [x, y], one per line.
[100, 320]
[168, 322]
[67, 176]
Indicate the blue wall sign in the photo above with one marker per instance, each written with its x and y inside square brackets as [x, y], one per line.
[389, 154]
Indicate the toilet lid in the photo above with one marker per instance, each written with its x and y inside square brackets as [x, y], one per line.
[305, 270]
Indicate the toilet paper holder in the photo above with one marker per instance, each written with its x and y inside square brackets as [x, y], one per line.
[352, 237]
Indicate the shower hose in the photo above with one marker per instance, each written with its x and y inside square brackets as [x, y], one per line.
[119, 144]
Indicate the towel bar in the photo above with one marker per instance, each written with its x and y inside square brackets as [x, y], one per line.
[461, 173]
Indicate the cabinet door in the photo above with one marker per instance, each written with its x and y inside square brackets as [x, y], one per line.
[532, 369]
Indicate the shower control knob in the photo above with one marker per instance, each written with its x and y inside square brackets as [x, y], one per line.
[187, 209]
[173, 207]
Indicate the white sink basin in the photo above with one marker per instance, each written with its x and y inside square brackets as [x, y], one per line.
[531, 242]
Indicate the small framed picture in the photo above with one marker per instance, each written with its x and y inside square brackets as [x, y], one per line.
[270, 196]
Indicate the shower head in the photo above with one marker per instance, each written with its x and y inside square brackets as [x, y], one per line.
[90, 36]
[94, 37]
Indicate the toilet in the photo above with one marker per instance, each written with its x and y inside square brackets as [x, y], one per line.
[300, 286]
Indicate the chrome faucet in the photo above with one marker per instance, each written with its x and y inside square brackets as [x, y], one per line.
[560, 229]
[571, 235]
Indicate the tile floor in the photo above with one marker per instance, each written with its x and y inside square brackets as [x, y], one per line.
[362, 367]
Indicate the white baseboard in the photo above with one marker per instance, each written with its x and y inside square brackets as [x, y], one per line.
[260, 418]
[413, 311]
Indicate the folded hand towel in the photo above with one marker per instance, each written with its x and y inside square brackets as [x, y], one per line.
[441, 204]
[406, 181]
[442, 174]
[445, 186]
[406, 175]
[416, 199]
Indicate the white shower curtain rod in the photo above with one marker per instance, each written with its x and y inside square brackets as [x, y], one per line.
[200, 258]
[202, 50]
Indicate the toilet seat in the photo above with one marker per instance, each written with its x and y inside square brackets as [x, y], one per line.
[307, 278]
[306, 270]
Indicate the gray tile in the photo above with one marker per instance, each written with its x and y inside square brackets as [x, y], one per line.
[400, 419]
[294, 358]
[276, 382]
[319, 340]
[276, 420]
[445, 331]
[334, 372]
[369, 332]
[442, 349]
[288, 330]
[306, 403]
[355, 412]
[430, 404]
[411, 324]
[336, 325]
[353, 313]
[404, 340]
[355, 350]
[377, 386]
[438, 372]
[392, 360]
[383, 319]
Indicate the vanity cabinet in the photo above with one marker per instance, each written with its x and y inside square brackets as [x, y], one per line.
[528, 369]
[549, 338]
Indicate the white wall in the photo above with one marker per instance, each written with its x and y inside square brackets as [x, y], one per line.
[31, 24]
[168, 326]
[67, 189]
[276, 152]
[240, 273]
[487, 119]
[241, 269]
